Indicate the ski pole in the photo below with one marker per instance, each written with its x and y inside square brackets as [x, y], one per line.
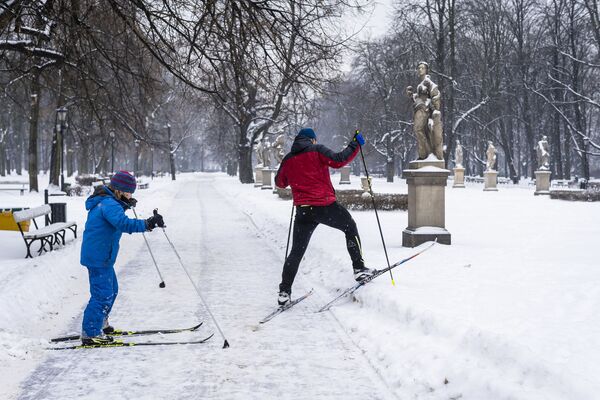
[225, 342]
[287, 246]
[162, 281]
[375, 208]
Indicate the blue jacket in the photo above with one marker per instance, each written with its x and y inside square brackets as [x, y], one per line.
[105, 223]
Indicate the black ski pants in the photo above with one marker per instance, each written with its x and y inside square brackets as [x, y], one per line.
[305, 223]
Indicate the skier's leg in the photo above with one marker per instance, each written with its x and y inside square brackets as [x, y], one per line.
[304, 226]
[101, 292]
[336, 216]
[106, 327]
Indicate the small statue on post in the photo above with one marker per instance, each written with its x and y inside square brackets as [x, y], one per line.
[543, 154]
[427, 115]
[458, 155]
[491, 157]
[490, 174]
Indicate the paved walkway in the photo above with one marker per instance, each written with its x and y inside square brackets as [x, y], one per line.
[298, 355]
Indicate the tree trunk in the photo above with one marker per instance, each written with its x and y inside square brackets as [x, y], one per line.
[171, 155]
[33, 132]
[245, 164]
[245, 157]
[390, 161]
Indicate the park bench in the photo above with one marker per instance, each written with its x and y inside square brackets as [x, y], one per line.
[49, 235]
[20, 187]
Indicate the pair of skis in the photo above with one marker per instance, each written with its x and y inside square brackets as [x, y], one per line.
[121, 333]
[346, 292]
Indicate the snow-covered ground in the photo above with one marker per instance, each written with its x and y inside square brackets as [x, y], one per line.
[509, 311]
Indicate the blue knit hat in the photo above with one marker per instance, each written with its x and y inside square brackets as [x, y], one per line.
[123, 181]
[308, 132]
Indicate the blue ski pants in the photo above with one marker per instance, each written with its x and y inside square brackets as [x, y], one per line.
[103, 292]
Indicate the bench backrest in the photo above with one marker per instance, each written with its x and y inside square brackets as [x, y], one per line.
[32, 213]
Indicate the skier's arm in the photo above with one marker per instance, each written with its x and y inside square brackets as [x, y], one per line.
[281, 178]
[114, 213]
[338, 160]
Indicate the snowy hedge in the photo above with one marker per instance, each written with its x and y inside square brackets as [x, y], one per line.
[354, 200]
[576, 194]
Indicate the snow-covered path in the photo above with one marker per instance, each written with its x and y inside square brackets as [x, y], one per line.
[301, 355]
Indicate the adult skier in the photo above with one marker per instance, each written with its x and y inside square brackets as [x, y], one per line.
[105, 224]
[306, 169]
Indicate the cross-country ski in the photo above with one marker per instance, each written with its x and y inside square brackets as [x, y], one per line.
[285, 307]
[120, 344]
[120, 332]
[363, 282]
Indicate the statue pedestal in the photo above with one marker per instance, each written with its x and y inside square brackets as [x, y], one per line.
[364, 184]
[266, 179]
[345, 175]
[426, 203]
[491, 179]
[459, 177]
[542, 182]
[258, 176]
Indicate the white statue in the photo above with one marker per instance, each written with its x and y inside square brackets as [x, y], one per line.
[543, 154]
[491, 156]
[458, 155]
[258, 147]
[266, 152]
[278, 148]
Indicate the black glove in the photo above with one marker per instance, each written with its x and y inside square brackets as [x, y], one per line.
[154, 221]
[131, 202]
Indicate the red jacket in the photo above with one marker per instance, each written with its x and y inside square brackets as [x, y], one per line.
[306, 170]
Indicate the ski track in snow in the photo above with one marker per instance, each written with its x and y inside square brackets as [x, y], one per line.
[297, 355]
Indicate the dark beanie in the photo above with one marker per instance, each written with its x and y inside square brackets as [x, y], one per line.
[123, 181]
[308, 132]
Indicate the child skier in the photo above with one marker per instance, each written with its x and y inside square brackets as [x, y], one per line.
[105, 223]
[306, 170]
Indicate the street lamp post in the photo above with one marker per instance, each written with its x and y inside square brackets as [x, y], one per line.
[62, 118]
[112, 151]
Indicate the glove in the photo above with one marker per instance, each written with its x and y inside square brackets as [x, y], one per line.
[154, 221]
[130, 202]
[359, 138]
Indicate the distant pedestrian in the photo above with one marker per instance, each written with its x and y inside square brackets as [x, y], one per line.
[306, 170]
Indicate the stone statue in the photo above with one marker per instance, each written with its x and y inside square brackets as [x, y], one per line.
[278, 148]
[491, 156]
[543, 154]
[258, 147]
[427, 116]
[458, 155]
[266, 152]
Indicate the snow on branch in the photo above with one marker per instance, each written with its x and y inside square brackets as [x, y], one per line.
[570, 89]
[578, 60]
[468, 112]
[27, 47]
[569, 123]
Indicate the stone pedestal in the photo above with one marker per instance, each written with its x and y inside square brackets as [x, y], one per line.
[459, 177]
[542, 182]
[491, 180]
[365, 184]
[266, 179]
[258, 176]
[426, 203]
[345, 175]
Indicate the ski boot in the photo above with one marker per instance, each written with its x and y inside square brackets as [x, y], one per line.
[284, 298]
[100, 340]
[362, 273]
[107, 328]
